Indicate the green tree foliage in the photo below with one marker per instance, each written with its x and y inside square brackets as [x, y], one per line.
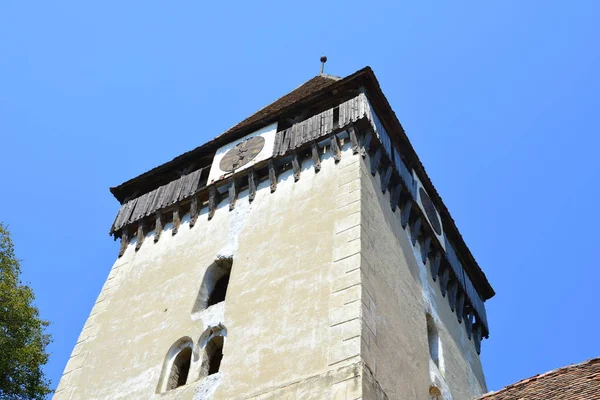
[23, 339]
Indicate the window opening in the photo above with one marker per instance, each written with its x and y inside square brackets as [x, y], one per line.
[215, 282]
[180, 369]
[219, 292]
[213, 355]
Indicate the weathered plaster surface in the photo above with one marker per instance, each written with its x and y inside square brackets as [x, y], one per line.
[326, 300]
[398, 292]
[289, 251]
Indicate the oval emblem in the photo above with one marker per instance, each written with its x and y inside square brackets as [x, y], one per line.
[431, 212]
[242, 153]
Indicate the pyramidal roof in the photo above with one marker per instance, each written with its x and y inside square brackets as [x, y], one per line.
[308, 88]
[319, 88]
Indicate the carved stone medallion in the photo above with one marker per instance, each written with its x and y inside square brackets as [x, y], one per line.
[431, 212]
[242, 153]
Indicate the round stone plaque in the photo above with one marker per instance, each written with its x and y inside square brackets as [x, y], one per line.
[242, 153]
[431, 212]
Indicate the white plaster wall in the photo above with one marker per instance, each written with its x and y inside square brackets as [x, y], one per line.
[400, 291]
[277, 311]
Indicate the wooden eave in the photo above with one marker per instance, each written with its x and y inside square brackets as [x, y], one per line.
[364, 78]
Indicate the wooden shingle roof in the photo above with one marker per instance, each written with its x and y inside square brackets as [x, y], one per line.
[573, 382]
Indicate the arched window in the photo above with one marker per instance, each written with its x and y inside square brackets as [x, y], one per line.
[214, 285]
[176, 367]
[213, 339]
[180, 369]
[433, 340]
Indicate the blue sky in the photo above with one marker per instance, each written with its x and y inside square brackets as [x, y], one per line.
[500, 100]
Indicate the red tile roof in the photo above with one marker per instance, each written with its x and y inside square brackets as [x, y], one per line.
[573, 382]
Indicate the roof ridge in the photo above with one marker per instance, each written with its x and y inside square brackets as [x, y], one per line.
[542, 375]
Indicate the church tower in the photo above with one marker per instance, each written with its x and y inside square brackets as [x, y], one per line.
[302, 254]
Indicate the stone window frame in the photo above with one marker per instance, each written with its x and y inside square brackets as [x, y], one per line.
[176, 348]
[205, 347]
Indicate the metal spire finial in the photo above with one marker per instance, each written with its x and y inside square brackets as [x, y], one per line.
[323, 61]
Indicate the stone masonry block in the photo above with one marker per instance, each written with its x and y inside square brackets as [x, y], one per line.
[348, 221]
[344, 297]
[346, 249]
[346, 265]
[344, 351]
[344, 313]
[346, 281]
[345, 198]
[347, 330]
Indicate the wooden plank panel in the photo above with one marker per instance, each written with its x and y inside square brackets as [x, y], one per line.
[444, 277]
[460, 305]
[176, 219]
[296, 166]
[405, 213]
[335, 149]
[385, 178]
[425, 247]
[435, 265]
[252, 178]
[272, 176]
[375, 159]
[415, 230]
[124, 241]
[316, 158]
[395, 196]
[366, 143]
[193, 211]
[141, 235]
[353, 139]
[159, 226]
[212, 201]
[233, 193]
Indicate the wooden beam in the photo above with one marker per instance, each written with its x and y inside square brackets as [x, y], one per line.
[435, 265]
[252, 179]
[335, 149]
[233, 193]
[477, 336]
[212, 201]
[445, 276]
[272, 176]
[385, 178]
[314, 148]
[452, 292]
[375, 159]
[353, 139]
[460, 305]
[159, 226]
[425, 247]
[366, 143]
[296, 166]
[124, 241]
[193, 211]
[405, 213]
[141, 235]
[469, 321]
[415, 230]
[176, 220]
[395, 197]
